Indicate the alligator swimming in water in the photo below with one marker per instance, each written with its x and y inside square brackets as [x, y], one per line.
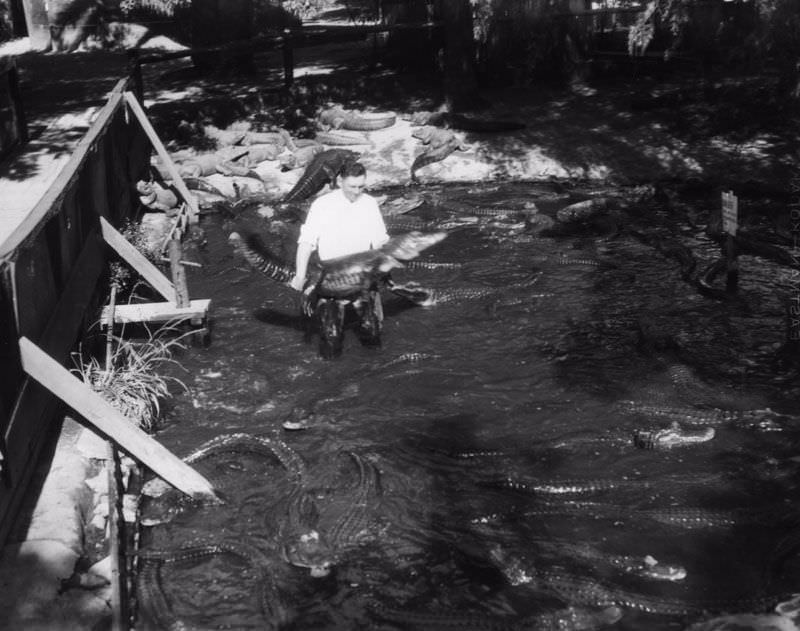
[166, 502]
[672, 436]
[687, 518]
[323, 169]
[157, 606]
[765, 420]
[567, 619]
[317, 538]
[575, 589]
[427, 296]
[514, 565]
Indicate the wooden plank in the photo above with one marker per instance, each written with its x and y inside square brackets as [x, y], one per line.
[159, 312]
[103, 417]
[50, 200]
[34, 407]
[138, 261]
[178, 274]
[162, 152]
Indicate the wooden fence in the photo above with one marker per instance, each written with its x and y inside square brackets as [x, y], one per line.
[50, 266]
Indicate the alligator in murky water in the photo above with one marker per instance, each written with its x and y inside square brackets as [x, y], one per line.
[567, 619]
[150, 585]
[581, 590]
[672, 436]
[166, 502]
[427, 296]
[765, 419]
[687, 518]
[516, 567]
[316, 539]
[568, 487]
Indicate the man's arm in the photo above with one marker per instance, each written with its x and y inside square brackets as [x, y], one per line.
[304, 251]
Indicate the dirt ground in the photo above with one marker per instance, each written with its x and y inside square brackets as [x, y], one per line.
[627, 124]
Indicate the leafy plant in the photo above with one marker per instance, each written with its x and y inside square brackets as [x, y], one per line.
[130, 381]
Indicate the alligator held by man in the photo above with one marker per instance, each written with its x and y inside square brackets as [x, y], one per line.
[343, 277]
[323, 169]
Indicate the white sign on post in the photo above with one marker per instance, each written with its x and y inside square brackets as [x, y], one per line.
[730, 212]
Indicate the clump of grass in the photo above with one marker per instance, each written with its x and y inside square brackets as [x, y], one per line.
[130, 380]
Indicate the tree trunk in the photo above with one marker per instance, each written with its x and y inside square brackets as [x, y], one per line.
[217, 22]
[460, 79]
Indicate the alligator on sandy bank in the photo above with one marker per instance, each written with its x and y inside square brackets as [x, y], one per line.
[229, 138]
[340, 118]
[225, 161]
[341, 138]
[436, 154]
[323, 169]
[343, 277]
[464, 122]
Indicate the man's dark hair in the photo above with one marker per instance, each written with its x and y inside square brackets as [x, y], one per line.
[353, 169]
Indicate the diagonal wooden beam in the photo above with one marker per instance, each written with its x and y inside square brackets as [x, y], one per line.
[138, 261]
[109, 422]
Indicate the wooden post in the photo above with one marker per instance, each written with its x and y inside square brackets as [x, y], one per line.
[115, 526]
[730, 219]
[178, 274]
[108, 421]
[288, 59]
[177, 180]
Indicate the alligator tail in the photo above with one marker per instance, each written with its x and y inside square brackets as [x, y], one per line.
[256, 253]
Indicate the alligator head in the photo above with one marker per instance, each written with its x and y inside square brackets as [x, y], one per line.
[309, 550]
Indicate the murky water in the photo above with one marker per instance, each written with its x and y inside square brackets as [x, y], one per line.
[479, 468]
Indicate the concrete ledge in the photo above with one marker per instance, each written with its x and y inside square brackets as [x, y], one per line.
[48, 541]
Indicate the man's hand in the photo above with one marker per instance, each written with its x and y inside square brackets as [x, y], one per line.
[297, 283]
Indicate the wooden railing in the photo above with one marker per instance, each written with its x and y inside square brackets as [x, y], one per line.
[50, 266]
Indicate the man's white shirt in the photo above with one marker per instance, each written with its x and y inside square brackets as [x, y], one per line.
[335, 226]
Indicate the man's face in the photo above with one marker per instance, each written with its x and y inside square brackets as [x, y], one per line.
[353, 186]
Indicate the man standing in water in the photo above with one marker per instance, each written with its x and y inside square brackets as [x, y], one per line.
[342, 222]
